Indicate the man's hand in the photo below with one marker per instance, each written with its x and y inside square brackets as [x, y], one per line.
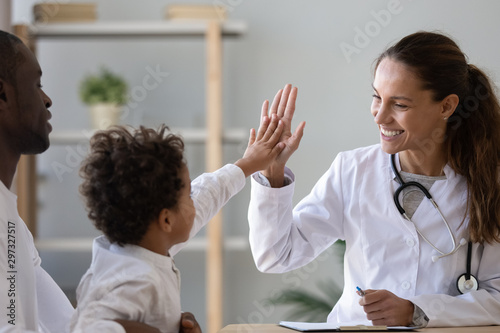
[189, 324]
[384, 308]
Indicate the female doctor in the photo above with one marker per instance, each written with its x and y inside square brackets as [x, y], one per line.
[439, 122]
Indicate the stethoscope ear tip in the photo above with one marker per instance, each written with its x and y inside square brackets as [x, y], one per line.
[463, 242]
[435, 258]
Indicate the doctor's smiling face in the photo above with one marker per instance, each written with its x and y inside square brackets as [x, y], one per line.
[406, 114]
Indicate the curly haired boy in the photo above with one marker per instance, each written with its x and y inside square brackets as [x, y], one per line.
[138, 192]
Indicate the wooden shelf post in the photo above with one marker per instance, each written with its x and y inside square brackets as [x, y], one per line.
[214, 270]
[26, 177]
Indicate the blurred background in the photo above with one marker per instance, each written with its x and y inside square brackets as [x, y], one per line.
[325, 48]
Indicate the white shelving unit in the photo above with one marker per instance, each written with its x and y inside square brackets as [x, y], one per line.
[213, 135]
[189, 135]
[85, 244]
[134, 29]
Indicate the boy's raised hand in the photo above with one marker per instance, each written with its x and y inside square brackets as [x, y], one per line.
[263, 147]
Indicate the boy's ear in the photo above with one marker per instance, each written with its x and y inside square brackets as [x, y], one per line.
[165, 220]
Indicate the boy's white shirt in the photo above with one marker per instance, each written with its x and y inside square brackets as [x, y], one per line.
[124, 287]
[130, 283]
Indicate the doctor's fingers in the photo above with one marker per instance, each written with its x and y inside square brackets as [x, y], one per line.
[291, 144]
[372, 296]
[393, 316]
[384, 308]
[284, 100]
[263, 112]
[276, 102]
[294, 140]
[289, 111]
[379, 312]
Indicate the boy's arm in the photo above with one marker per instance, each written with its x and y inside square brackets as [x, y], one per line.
[211, 191]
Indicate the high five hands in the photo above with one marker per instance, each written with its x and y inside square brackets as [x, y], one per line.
[283, 107]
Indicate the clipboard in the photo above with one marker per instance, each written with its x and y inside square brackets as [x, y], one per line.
[328, 327]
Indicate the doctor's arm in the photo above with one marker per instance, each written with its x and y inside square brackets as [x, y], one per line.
[476, 308]
[283, 238]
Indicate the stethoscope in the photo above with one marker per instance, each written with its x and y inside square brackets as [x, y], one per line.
[465, 282]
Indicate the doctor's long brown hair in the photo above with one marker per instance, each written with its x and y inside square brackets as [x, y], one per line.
[473, 131]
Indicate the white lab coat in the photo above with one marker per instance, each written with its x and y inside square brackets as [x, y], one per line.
[353, 201]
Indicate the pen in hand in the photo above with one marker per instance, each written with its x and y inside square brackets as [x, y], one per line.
[360, 292]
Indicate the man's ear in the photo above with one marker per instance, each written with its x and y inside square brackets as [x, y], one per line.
[3, 95]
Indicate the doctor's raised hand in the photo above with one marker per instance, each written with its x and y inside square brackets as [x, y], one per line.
[419, 211]
[283, 107]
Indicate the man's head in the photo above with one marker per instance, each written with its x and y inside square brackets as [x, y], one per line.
[10, 57]
[24, 105]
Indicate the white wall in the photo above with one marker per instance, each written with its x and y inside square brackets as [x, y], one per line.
[5, 15]
[294, 41]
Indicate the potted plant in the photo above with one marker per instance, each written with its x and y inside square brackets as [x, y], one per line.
[105, 94]
[311, 307]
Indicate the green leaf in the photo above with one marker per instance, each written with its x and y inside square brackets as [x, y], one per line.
[105, 87]
[307, 306]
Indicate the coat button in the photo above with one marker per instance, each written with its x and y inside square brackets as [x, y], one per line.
[410, 242]
[405, 285]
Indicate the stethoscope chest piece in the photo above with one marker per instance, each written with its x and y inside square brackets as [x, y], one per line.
[467, 282]
[464, 285]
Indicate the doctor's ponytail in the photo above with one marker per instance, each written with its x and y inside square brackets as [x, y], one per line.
[473, 131]
[474, 152]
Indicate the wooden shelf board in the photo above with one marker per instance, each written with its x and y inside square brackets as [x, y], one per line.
[189, 135]
[133, 28]
[85, 244]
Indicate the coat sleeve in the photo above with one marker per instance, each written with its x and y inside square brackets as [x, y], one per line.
[210, 192]
[283, 238]
[480, 307]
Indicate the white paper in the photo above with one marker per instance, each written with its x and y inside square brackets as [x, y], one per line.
[310, 327]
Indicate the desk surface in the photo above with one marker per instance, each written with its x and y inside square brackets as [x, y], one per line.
[273, 328]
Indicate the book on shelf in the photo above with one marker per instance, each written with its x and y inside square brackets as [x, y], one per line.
[54, 12]
[195, 12]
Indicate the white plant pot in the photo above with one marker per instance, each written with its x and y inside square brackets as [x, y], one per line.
[103, 115]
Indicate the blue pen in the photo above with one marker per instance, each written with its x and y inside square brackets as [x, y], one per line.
[360, 292]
